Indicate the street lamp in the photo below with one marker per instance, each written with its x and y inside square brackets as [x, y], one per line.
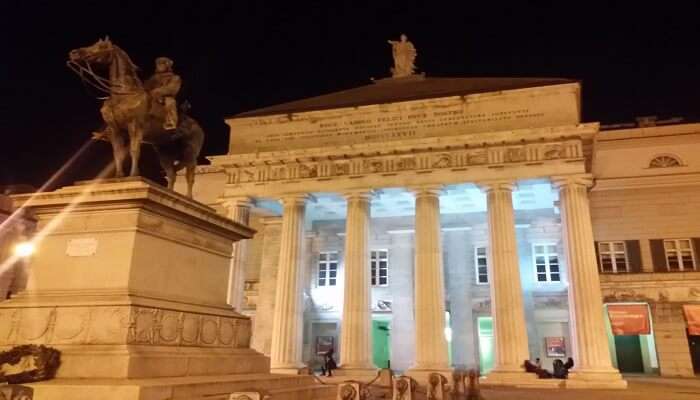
[24, 249]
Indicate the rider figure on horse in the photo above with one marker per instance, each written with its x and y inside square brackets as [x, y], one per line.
[164, 86]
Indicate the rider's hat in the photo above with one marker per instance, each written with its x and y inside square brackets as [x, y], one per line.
[165, 60]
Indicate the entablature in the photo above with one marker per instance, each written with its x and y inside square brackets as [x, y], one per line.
[521, 154]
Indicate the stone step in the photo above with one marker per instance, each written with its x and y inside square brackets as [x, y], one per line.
[283, 387]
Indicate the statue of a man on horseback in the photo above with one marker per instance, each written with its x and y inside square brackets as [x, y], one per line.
[136, 113]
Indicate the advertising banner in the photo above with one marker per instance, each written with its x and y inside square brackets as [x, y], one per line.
[629, 319]
[692, 316]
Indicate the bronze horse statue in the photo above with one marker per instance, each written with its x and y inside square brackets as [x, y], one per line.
[132, 115]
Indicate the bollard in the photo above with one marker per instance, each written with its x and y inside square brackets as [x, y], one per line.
[16, 392]
[249, 395]
[404, 388]
[437, 387]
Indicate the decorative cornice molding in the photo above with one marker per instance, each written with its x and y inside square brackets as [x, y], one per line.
[646, 182]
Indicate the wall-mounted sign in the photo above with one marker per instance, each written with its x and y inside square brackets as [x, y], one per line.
[83, 247]
[556, 347]
[692, 317]
[629, 319]
[323, 344]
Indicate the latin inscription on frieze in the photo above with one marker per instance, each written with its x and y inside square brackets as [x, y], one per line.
[406, 120]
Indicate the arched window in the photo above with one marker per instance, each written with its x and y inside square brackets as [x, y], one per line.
[664, 161]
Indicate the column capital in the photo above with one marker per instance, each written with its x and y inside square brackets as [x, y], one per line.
[561, 181]
[426, 190]
[272, 220]
[237, 201]
[296, 198]
[497, 185]
[359, 194]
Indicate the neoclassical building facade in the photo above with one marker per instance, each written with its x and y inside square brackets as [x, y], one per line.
[425, 224]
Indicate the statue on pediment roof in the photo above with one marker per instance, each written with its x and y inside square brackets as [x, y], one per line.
[404, 57]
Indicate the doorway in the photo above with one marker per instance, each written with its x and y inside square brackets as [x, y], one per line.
[381, 343]
[486, 344]
[629, 354]
[694, 344]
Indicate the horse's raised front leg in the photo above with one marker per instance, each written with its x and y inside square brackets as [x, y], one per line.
[167, 162]
[118, 150]
[135, 139]
[190, 178]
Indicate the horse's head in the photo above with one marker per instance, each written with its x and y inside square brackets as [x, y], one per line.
[99, 53]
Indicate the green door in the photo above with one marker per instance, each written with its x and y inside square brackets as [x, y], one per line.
[380, 343]
[629, 354]
[486, 344]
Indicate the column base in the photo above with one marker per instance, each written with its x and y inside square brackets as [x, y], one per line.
[421, 374]
[517, 378]
[292, 369]
[595, 379]
[358, 371]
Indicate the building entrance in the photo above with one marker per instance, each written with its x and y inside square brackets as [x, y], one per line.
[629, 354]
[694, 344]
[380, 343]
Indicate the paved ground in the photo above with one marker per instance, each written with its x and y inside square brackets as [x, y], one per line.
[640, 388]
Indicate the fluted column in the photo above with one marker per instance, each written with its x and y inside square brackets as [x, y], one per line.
[285, 351]
[431, 345]
[507, 310]
[356, 328]
[592, 364]
[238, 210]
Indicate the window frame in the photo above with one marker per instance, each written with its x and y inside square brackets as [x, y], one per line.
[548, 271]
[485, 256]
[325, 267]
[611, 253]
[375, 267]
[679, 254]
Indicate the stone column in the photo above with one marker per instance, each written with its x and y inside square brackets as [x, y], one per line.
[262, 330]
[429, 300]
[285, 350]
[592, 365]
[507, 310]
[238, 210]
[356, 328]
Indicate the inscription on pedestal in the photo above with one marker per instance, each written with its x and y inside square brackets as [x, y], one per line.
[83, 247]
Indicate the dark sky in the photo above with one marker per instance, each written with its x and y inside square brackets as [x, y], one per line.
[234, 56]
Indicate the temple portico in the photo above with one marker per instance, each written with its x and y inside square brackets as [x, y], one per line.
[460, 237]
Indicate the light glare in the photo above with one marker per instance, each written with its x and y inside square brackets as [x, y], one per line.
[24, 249]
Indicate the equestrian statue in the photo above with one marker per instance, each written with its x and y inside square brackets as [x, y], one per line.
[137, 113]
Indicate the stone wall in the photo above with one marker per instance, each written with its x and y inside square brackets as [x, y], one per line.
[671, 340]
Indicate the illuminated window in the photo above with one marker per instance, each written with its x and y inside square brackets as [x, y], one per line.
[679, 254]
[612, 257]
[664, 161]
[379, 262]
[546, 262]
[480, 263]
[327, 268]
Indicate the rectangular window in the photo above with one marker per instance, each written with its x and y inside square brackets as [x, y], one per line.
[480, 263]
[327, 268]
[612, 257]
[546, 262]
[679, 254]
[379, 262]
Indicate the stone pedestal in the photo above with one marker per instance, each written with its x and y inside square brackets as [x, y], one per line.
[431, 345]
[506, 292]
[356, 328]
[592, 365]
[129, 281]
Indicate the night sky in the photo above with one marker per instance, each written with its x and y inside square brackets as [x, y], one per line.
[236, 56]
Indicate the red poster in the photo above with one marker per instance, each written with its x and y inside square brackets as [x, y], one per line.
[629, 319]
[692, 316]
